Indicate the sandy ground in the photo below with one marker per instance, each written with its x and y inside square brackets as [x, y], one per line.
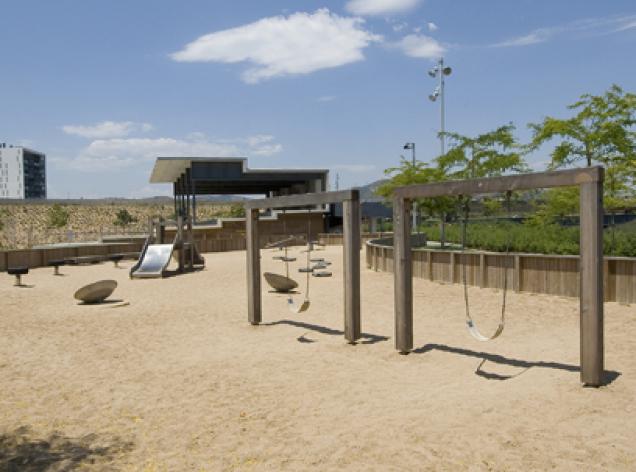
[178, 380]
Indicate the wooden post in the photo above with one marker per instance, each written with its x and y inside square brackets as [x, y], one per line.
[591, 295]
[253, 267]
[351, 275]
[452, 265]
[482, 270]
[516, 280]
[429, 264]
[402, 268]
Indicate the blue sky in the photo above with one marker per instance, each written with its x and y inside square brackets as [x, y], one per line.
[103, 87]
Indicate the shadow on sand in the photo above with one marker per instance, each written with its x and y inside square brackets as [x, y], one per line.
[366, 337]
[20, 451]
[610, 375]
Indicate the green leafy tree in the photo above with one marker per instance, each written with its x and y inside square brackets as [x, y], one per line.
[57, 216]
[601, 132]
[486, 155]
[408, 173]
[124, 218]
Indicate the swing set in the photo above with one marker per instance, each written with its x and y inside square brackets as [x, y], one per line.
[350, 200]
[590, 182]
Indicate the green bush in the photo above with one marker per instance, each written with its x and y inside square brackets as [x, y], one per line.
[124, 218]
[532, 238]
[57, 216]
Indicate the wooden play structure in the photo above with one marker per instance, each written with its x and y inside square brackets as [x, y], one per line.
[350, 200]
[590, 182]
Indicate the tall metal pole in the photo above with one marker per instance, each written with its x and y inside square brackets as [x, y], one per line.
[414, 202]
[442, 138]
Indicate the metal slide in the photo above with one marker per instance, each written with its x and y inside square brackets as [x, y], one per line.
[154, 261]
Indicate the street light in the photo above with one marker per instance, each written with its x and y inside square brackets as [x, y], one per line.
[440, 71]
[411, 146]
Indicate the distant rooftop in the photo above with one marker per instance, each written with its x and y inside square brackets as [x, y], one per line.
[230, 175]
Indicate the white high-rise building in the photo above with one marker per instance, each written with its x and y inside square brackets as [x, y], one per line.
[22, 172]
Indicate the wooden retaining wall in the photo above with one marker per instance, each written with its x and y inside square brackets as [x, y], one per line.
[40, 257]
[335, 239]
[536, 273]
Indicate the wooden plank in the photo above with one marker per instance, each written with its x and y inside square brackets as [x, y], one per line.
[591, 292]
[506, 183]
[303, 199]
[351, 273]
[482, 270]
[516, 278]
[403, 281]
[254, 310]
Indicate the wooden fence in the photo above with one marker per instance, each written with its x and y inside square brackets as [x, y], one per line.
[40, 257]
[536, 273]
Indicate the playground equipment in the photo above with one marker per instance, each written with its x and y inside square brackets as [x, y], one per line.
[470, 323]
[18, 272]
[156, 254]
[96, 292]
[282, 283]
[351, 224]
[56, 263]
[304, 306]
[590, 182]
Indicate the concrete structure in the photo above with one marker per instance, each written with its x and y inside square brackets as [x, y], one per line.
[192, 176]
[22, 173]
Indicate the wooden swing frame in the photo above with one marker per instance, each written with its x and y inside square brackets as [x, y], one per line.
[590, 182]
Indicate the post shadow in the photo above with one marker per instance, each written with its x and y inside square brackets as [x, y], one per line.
[366, 337]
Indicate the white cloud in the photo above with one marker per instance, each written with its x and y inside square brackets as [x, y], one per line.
[397, 27]
[419, 45]
[380, 7]
[107, 129]
[580, 28]
[263, 145]
[119, 153]
[432, 27]
[300, 43]
[326, 98]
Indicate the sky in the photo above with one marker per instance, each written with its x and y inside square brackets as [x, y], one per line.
[105, 87]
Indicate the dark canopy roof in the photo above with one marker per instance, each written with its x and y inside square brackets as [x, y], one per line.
[222, 176]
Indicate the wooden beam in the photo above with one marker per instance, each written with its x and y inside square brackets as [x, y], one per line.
[303, 199]
[403, 277]
[591, 291]
[351, 275]
[560, 178]
[254, 311]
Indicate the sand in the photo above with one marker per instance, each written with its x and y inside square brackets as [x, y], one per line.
[178, 380]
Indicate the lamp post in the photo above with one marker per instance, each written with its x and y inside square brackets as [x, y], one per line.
[411, 146]
[440, 71]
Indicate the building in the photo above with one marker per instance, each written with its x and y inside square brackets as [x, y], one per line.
[22, 173]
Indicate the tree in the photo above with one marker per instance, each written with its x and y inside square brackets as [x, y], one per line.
[602, 132]
[57, 216]
[486, 155]
[408, 173]
[124, 218]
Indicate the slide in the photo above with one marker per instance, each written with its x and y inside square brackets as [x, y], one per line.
[154, 261]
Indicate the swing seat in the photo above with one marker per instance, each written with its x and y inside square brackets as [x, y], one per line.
[279, 244]
[304, 270]
[280, 283]
[322, 273]
[294, 308]
[474, 331]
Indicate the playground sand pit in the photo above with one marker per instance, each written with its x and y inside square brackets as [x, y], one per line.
[179, 380]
